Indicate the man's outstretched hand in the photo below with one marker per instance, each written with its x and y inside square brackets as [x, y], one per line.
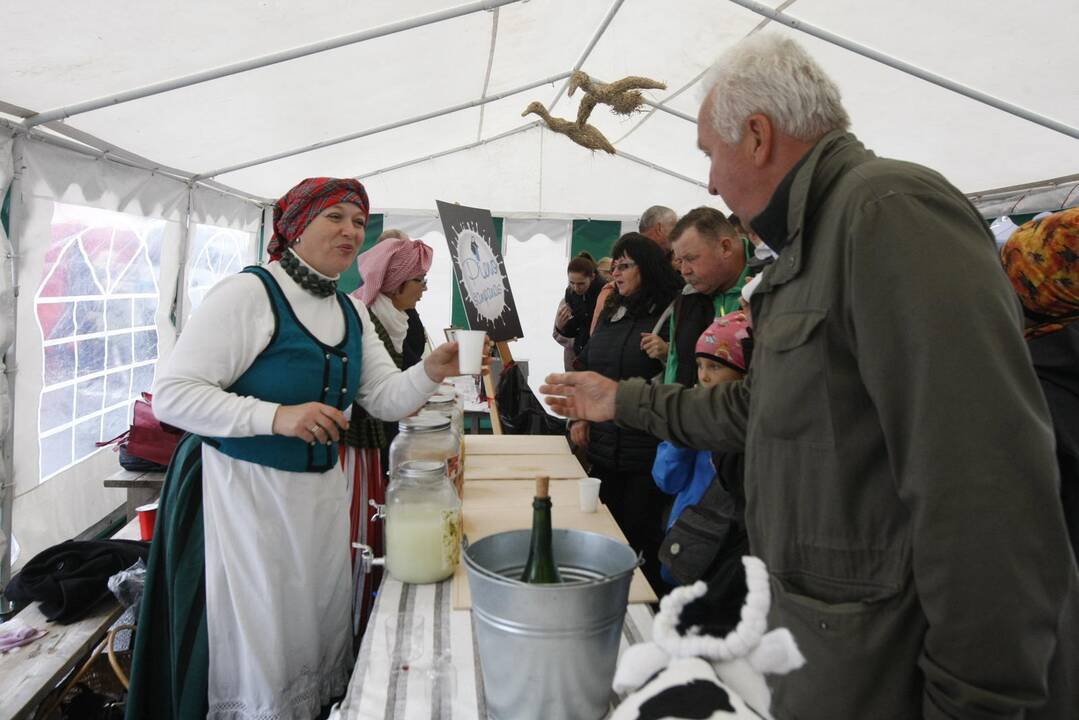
[581, 395]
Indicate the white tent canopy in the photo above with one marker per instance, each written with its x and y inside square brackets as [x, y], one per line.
[415, 97]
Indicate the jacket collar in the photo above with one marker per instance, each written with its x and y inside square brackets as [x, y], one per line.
[795, 197]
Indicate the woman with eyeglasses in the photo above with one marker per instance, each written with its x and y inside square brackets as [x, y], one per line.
[394, 279]
[644, 284]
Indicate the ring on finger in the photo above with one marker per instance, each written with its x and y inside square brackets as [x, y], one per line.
[315, 428]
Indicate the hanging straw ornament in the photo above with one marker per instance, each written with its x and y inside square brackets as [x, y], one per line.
[623, 96]
[584, 135]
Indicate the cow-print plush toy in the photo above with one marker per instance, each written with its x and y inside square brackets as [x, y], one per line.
[683, 673]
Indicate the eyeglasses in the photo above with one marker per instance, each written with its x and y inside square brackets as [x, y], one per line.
[623, 266]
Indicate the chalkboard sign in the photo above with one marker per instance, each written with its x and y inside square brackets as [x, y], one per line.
[480, 271]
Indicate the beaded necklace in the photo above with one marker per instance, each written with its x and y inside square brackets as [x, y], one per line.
[308, 280]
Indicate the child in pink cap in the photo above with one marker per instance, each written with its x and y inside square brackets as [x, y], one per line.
[688, 474]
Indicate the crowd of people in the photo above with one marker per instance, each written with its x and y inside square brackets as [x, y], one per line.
[839, 379]
[870, 412]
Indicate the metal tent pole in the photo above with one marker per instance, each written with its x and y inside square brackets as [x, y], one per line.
[92, 147]
[443, 153]
[908, 68]
[611, 12]
[381, 128]
[263, 61]
[659, 168]
[7, 460]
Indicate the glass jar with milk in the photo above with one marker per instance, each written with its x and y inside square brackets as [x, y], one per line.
[423, 523]
[427, 436]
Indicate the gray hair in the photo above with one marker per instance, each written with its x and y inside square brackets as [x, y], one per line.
[773, 75]
[392, 233]
[657, 215]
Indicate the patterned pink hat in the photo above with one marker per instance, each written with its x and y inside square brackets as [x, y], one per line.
[722, 340]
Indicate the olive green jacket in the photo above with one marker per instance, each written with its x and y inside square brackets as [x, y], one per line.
[900, 473]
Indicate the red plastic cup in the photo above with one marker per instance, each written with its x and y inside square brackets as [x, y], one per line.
[147, 515]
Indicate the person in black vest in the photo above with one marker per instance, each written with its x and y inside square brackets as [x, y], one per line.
[574, 319]
[622, 459]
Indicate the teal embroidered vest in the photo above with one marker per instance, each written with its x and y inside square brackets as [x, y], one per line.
[296, 368]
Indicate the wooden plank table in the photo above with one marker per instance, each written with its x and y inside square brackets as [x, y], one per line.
[517, 445]
[378, 690]
[142, 487]
[27, 674]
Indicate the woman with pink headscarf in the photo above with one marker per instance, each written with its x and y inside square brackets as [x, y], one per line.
[393, 273]
[394, 278]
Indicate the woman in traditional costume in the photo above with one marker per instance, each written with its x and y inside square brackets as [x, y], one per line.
[394, 274]
[262, 377]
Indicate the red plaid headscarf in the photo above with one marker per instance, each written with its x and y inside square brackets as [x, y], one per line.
[1041, 259]
[302, 204]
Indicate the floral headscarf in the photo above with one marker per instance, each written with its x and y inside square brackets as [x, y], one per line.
[1041, 259]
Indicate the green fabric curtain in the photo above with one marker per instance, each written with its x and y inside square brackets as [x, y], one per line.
[458, 318]
[350, 279]
[594, 236]
[5, 213]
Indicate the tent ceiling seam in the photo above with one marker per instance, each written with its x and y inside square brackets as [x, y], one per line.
[263, 61]
[487, 75]
[123, 157]
[662, 103]
[381, 128]
[604, 24]
[443, 153]
[659, 168]
[908, 68]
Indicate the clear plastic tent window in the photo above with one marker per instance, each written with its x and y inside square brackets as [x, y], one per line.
[96, 306]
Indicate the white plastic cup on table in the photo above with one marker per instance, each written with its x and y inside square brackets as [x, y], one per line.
[470, 350]
[588, 494]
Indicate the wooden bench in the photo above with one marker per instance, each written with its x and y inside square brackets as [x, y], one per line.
[29, 673]
[142, 487]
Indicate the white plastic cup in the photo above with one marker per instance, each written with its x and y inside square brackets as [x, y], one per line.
[588, 494]
[470, 351]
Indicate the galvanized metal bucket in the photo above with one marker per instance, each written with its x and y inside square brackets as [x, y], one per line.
[549, 651]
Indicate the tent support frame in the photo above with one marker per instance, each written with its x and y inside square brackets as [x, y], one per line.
[382, 128]
[263, 61]
[603, 25]
[906, 67]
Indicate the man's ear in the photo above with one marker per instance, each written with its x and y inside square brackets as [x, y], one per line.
[759, 135]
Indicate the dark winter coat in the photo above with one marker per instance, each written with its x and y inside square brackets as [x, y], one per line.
[583, 307]
[615, 352]
[901, 482]
[1056, 361]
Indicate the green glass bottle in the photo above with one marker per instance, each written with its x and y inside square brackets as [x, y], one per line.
[540, 566]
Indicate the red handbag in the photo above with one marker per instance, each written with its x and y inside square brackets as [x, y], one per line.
[148, 438]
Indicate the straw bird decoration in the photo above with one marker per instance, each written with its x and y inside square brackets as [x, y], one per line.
[583, 134]
[623, 96]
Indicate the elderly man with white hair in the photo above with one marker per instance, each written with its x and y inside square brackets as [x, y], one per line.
[900, 472]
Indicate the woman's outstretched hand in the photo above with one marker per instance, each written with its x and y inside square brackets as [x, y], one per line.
[581, 395]
[312, 422]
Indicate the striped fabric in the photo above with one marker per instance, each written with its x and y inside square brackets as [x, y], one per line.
[378, 691]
